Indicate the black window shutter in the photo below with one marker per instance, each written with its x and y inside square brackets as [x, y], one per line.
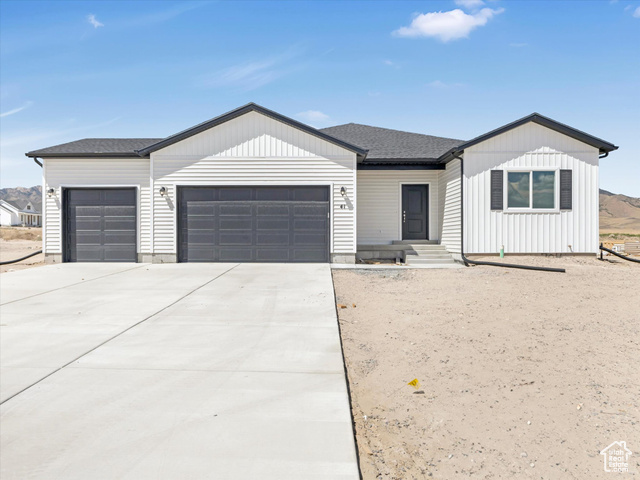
[566, 190]
[497, 197]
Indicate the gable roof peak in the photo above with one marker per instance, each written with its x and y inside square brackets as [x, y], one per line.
[249, 107]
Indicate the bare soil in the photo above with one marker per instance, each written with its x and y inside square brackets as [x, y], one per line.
[12, 249]
[522, 374]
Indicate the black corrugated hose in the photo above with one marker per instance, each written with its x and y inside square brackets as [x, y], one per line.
[21, 258]
[617, 255]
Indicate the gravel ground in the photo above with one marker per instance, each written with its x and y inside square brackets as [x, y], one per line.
[522, 374]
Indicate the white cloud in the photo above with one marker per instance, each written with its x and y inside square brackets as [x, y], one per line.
[469, 4]
[16, 110]
[447, 26]
[441, 84]
[389, 62]
[250, 75]
[636, 12]
[518, 45]
[94, 21]
[313, 116]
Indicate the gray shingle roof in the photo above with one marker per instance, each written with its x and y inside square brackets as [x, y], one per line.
[22, 205]
[394, 146]
[98, 146]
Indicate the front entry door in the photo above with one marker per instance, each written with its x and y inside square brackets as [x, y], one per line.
[415, 212]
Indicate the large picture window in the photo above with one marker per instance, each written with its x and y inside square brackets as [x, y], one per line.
[531, 189]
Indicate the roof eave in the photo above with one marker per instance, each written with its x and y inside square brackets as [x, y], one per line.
[35, 154]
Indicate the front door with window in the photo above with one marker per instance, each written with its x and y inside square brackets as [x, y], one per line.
[415, 212]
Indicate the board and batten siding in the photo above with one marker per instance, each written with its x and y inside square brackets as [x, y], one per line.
[380, 203]
[93, 172]
[531, 146]
[253, 149]
[450, 212]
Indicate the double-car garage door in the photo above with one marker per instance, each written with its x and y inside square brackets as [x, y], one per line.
[215, 224]
[253, 224]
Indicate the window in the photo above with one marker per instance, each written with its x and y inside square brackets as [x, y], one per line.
[531, 189]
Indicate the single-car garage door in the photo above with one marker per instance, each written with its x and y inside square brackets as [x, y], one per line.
[253, 224]
[100, 225]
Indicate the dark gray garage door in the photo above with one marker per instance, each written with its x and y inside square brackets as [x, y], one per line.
[253, 224]
[100, 225]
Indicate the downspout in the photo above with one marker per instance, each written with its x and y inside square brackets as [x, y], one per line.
[490, 264]
[35, 159]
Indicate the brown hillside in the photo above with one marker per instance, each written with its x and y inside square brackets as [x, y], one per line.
[619, 213]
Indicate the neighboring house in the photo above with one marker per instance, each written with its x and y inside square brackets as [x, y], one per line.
[20, 213]
[254, 185]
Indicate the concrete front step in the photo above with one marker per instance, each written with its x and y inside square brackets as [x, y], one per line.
[415, 242]
[424, 248]
[429, 261]
[428, 255]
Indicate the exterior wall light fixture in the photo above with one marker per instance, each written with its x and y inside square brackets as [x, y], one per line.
[343, 191]
[163, 191]
[51, 192]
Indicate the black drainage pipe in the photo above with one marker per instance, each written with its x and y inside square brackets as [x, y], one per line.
[617, 255]
[513, 265]
[21, 258]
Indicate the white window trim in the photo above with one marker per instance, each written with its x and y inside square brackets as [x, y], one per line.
[556, 193]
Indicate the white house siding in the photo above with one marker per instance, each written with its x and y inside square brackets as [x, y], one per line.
[8, 217]
[253, 149]
[531, 145]
[93, 172]
[379, 203]
[450, 214]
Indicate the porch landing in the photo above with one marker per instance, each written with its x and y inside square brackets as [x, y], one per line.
[408, 252]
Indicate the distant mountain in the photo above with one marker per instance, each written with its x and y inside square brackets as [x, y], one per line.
[22, 195]
[619, 213]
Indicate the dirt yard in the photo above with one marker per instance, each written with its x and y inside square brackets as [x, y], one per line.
[522, 374]
[16, 242]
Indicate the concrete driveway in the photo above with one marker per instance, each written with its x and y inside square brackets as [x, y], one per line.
[172, 371]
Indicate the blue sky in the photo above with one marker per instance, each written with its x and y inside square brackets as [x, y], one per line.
[449, 68]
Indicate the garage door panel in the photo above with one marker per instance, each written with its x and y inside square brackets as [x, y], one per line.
[235, 210]
[200, 208]
[86, 223]
[100, 225]
[235, 254]
[254, 224]
[305, 194]
[196, 237]
[308, 255]
[310, 210]
[309, 239]
[235, 194]
[200, 223]
[241, 237]
[230, 223]
[273, 194]
[118, 238]
[279, 239]
[119, 211]
[273, 210]
[311, 224]
[273, 255]
[273, 223]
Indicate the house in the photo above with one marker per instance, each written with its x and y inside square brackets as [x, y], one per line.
[20, 213]
[254, 185]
